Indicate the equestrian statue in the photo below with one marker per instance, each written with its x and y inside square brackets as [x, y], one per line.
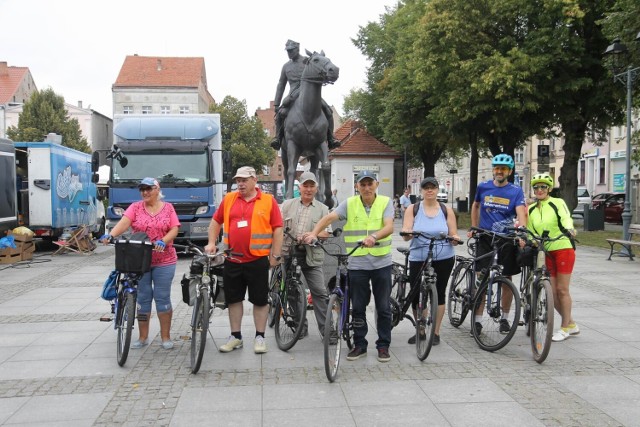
[304, 121]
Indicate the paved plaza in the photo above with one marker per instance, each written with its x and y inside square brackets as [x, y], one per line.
[58, 364]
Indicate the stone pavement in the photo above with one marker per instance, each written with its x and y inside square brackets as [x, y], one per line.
[58, 367]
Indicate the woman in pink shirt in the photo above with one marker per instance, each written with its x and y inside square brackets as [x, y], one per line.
[160, 222]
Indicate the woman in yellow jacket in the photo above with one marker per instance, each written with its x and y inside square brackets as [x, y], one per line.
[551, 213]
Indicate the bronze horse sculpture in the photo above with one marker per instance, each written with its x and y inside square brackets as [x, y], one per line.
[305, 128]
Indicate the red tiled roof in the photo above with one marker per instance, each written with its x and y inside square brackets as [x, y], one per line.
[356, 141]
[156, 71]
[10, 81]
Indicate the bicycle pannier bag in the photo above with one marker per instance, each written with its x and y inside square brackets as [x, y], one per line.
[133, 253]
[110, 287]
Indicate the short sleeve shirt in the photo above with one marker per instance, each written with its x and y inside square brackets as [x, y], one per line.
[498, 205]
[156, 226]
[239, 237]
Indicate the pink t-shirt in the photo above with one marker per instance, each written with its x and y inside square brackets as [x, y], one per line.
[156, 226]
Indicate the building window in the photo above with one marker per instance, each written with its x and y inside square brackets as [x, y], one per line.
[582, 171]
[184, 110]
[127, 109]
[165, 109]
[519, 155]
[146, 109]
[602, 171]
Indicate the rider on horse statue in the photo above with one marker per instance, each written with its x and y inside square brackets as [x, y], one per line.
[292, 73]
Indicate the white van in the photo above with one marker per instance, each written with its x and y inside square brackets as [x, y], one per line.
[442, 196]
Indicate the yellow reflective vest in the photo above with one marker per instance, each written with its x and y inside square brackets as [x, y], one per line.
[360, 225]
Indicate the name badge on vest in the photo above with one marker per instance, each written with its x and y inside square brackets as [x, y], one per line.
[242, 224]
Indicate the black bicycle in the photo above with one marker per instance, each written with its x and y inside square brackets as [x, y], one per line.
[287, 297]
[426, 291]
[536, 292]
[201, 289]
[492, 298]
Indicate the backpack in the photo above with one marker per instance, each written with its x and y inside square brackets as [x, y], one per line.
[110, 287]
[560, 226]
[416, 206]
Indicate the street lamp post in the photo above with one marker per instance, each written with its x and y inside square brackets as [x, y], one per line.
[617, 49]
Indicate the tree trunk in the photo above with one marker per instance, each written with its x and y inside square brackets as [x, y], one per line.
[574, 133]
[473, 167]
[430, 154]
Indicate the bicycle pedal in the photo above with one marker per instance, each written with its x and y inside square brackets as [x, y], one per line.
[106, 319]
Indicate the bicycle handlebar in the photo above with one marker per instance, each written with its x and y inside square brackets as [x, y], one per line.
[544, 238]
[440, 236]
[192, 248]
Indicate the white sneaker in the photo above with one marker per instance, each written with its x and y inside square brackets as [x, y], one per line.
[232, 344]
[561, 335]
[573, 330]
[259, 346]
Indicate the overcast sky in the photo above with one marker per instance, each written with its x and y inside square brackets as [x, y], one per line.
[77, 47]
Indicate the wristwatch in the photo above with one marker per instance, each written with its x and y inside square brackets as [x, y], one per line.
[277, 257]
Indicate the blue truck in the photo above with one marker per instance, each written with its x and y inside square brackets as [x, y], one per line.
[183, 152]
[55, 189]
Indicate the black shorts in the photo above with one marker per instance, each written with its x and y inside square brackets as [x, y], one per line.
[252, 276]
[507, 257]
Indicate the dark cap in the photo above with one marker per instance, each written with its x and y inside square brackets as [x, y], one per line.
[429, 180]
[290, 45]
[366, 174]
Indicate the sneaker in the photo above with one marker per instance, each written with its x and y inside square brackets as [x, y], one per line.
[139, 344]
[357, 353]
[383, 355]
[436, 339]
[167, 345]
[504, 326]
[412, 340]
[232, 344]
[259, 346]
[478, 327]
[573, 329]
[561, 335]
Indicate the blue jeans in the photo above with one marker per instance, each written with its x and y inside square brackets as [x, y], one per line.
[360, 295]
[161, 276]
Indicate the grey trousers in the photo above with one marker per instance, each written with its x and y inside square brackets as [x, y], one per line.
[314, 278]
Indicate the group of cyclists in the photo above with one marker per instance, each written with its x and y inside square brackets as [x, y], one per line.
[253, 225]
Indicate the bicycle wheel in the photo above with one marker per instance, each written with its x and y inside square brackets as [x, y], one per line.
[457, 299]
[291, 315]
[124, 325]
[274, 290]
[426, 321]
[499, 320]
[525, 298]
[397, 295]
[331, 339]
[541, 321]
[199, 328]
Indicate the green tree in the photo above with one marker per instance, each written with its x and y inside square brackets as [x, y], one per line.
[242, 136]
[45, 113]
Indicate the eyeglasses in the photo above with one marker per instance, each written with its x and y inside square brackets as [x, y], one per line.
[540, 187]
[143, 189]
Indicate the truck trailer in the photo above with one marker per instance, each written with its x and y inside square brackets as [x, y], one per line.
[55, 189]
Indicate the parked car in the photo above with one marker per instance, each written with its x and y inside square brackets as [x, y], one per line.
[442, 195]
[612, 203]
[584, 199]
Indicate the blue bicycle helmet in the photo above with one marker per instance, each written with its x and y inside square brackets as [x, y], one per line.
[503, 160]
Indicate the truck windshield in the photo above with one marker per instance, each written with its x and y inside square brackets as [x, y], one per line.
[173, 168]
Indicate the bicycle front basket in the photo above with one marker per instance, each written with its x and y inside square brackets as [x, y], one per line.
[133, 254]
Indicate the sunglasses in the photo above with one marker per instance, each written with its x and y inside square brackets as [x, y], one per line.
[143, 189]
[540, 187]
